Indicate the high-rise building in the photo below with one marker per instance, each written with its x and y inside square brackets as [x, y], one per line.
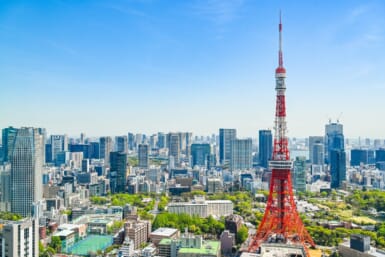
[265, 147]
[121, 144]
[334, 139]
[312, 141]
[19, 238]
[138, 139]
[380, 155]
[94, 150]
[80, 148]
[153, 141]
[143, 155]
[48, 153]
[241, 154]
[226, 136]
[361, 156]
[105, 149]
[185, 139]
[59, 143]
[337, 167]
[118, 171]
[8, 140]
[318, 154]
[131, 141]
[5, 187]
[1, 153]
[174, 147]
[299, 174]
[162, 140]
[200, 154]
[26, 170]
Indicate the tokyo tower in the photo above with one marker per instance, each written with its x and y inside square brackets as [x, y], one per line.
[281, 222]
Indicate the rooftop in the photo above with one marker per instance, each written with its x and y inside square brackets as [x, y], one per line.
[64, 233]
[165, 241]
[164, 232]
[208, 247]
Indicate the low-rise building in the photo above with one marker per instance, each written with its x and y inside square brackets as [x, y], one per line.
[359, 246]
[67, 238]
[189, 246]
[161, 233]
[202, 208]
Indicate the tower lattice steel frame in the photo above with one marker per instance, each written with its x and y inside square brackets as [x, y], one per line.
[281, 221]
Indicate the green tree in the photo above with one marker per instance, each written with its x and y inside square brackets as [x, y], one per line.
[116, 225]
[10, 216]
[242, 234]
[55, 244]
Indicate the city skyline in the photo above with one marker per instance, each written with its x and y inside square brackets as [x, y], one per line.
[145, 66]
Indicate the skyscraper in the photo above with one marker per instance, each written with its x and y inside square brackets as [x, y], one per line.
[143, 155]
[334, 139]
[59, 143]
[105, 149]
[265, 147]
[174, 147]
[121, 144]
[131, 141]
[5, 187]
[337, 167]
[8, 141]
[299, 174]
[312, 141]
[26, 170]
[318, 154]
[380, 155]
[94, 150]
[226, 136]
[200, 154]
[241, 154]
[162, 140]
[118, 171]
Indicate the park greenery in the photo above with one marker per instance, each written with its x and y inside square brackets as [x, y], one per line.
[194, 224]
[123, 199]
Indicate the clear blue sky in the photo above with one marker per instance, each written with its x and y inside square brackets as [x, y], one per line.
[113, 66]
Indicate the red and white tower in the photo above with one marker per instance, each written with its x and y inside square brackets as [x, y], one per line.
[281, 221]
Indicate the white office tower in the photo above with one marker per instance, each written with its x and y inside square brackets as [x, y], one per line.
[26, 171]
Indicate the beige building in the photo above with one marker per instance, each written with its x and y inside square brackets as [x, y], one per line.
[138, 231]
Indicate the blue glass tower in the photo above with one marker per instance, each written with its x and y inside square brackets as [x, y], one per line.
[200, 154]
[337, 167]
[334, 139]
[265, 147]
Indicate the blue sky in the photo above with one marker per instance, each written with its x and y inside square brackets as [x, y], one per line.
[109, 67]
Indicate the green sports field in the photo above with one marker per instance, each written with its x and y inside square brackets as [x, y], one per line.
[91, 244]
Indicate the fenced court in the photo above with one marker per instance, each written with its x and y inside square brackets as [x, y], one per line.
[91, 244]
